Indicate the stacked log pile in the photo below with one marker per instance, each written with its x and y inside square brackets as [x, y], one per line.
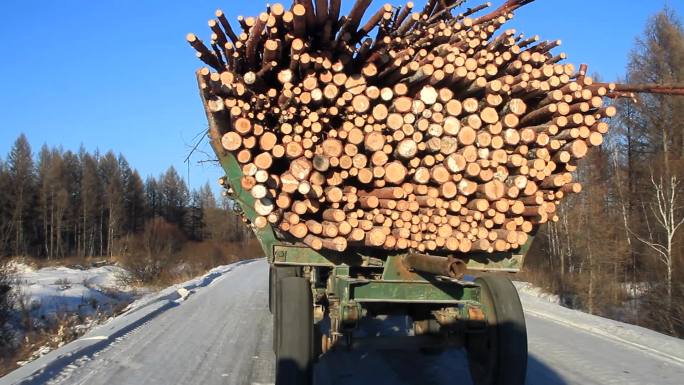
[444, 132]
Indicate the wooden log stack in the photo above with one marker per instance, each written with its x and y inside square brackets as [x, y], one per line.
[444, 132]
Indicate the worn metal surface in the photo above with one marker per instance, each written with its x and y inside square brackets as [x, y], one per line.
[396, 287]
[511, 262]
[446, 266]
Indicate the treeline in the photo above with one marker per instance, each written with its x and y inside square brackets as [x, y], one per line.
[617, 249]
[62, 203]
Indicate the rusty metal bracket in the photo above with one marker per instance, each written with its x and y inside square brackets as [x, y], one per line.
[446, 266]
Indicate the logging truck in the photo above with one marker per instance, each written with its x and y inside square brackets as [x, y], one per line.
[449, 308]
[401, 174]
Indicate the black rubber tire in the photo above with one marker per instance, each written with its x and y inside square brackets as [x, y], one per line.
[498, 356]
[295, 353]
[275, 275]
[271, 287]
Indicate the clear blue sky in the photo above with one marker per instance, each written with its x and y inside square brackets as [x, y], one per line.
[118, 74]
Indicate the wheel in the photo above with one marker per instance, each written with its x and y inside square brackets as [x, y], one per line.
[498, 355]
[295, 349]
[271, 287]
[276, 273]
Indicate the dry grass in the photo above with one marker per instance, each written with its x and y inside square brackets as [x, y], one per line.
[77, 262]
[9, 358]
[39, 340]
[191, 260]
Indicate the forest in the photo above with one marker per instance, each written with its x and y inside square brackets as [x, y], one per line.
[77, 209]
[617, 249]
[58, 204]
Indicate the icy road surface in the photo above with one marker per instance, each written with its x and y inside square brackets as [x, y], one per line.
[217, 330]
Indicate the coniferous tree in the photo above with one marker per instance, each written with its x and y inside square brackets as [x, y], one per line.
[90, 192]
[207, 197]
[5, 210]
[134, 198]
[73, 175]
[153, 198]
[113, 204]
[21, 191]
[174, 197]
[90, 205]
[195, 217]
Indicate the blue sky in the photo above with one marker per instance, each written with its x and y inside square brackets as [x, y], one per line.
[117, 74]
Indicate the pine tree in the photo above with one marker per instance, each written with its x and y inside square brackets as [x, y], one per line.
[73, 174]
[207, 196]
[175, 197]
[659, 58]
[5, 211]
[195, 221]
[90, 193]
[113, 187]
[21, 192]
[53, 197]
[152, 198]
[134, 197]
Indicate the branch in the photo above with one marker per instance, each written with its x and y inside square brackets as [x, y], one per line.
[508, 7]
[662, 250]
[628, 90]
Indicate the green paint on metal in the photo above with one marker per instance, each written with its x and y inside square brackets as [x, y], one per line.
[494, 262]
[510, 261]
[299, 255]
[398, 287]
[406, 292]
[394, 270]
[341, 271]
[288, 254]
[266, 236]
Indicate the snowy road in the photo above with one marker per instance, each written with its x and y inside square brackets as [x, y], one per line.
[221, 334]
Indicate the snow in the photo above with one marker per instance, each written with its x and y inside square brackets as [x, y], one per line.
[58, 365]
[646, 340]
[536, 302]
[52, 292]
[217, 330]
[536, 292]
[70, 300]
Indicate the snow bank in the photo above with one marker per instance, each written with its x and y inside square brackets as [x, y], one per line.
[544, 305]
[134, 316]
[536, 292]
[56, 291]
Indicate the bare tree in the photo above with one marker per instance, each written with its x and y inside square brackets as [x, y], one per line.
[669, 215]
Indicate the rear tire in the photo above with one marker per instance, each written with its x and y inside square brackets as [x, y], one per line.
[295, 350]
[498, 355]
[271, 288]
[276, 273]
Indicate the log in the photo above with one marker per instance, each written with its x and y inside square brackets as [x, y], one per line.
[437, 133]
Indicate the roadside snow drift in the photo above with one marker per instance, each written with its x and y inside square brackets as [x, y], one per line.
[51, 292]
